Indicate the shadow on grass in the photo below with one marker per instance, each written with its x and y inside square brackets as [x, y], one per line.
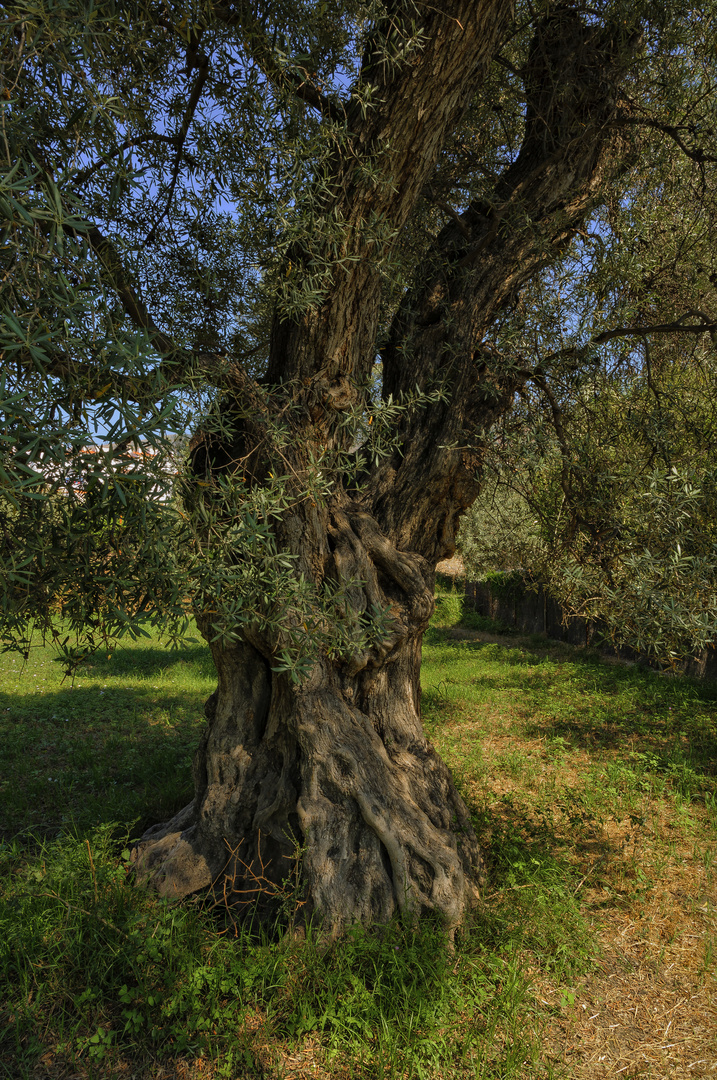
[80, 756]
[146, 661]
[140, 985]
[532, 901]
[100, 707]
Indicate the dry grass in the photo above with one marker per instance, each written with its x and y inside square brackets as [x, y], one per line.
[647, 1004]
[648, 1007]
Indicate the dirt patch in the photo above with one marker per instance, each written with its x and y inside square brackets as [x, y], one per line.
[648, 1009]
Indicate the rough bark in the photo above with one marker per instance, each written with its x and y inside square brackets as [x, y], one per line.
[340, 764]
[441, 335]
[378, 175]
[337, 772]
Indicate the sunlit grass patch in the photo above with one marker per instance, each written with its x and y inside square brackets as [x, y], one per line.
[596, 782]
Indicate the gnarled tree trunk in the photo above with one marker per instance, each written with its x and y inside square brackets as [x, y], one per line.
[338, 768]
[336, 771]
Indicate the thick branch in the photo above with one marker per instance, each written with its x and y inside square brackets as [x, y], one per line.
[84, 380]
[397, 124]
[569, 150]
[176, 361]
[673, 132]
[115, 273]
[259, 47]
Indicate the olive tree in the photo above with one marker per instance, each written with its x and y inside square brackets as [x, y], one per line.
[317, 237]
[600, 484]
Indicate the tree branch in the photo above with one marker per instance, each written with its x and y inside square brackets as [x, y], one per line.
[195, 58]
[260, 49]
[542, 383]
[572, 80]
[118, 278]
[82, 177]
[397, 125]
[115, 274]
[677, 326]
[672, 131]
[447, 209]
[60, 365]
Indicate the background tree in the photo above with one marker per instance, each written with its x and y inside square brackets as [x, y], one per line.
[328, 234]
[602, 481]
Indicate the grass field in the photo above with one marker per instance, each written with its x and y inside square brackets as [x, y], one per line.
[591, 785]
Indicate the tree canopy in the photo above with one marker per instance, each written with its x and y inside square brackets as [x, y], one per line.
[602, 481]
[358, 252]
[182, 183]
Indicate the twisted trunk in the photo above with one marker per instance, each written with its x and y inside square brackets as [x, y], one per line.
[332, 779]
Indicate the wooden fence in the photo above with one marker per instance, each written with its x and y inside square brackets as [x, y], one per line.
[531, 611]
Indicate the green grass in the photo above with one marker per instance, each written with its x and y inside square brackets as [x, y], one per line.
[588, 784]
[114, 744]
